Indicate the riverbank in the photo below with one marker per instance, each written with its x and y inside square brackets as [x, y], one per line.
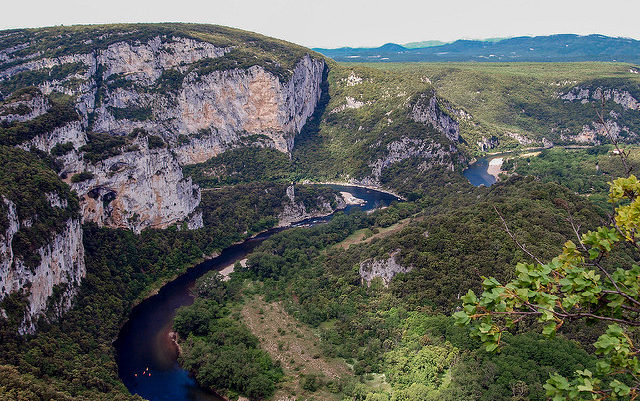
[152, 318]
[495, 166]
[351, 184]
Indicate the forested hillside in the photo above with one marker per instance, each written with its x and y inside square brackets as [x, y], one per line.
[133, 152]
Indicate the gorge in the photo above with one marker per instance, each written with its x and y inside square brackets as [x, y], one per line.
[138, 159]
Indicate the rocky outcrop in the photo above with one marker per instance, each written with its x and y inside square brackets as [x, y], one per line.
[585, 94]
[488, 143]
[51, 285]
[295, 211]
[428, 109]
[386, 269]
[431, 153]
[136, 190]
[522, 140]
[173, 87]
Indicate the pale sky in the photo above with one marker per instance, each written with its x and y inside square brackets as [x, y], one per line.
[334, 23]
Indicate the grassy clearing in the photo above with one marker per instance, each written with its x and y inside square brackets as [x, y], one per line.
[297, 348]
[366, 235]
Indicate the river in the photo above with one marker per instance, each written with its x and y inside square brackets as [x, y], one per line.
[146, 356]
[477, 173]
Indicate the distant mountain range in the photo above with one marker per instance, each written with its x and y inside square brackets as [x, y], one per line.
[565, 47]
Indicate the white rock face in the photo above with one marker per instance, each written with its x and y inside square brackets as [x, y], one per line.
[137, 190]
[488, 143]
[201, 115]
[295, 211]
[432, 153]
[72, 132]
[586, 94]
[428, 110]
[386, 269]
[61, 265]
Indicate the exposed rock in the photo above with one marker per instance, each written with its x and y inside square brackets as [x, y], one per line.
[433, 153]
[72, 132]
[587, 135]
[349, 199]
[61, 266]
[586, 94]
[295, 211]
[386, 269]
[351, 103]
[353, 80]
[25, 108]
[137, 190]
[202, 113]
[427, 109]
[488, 143]
[522, 140]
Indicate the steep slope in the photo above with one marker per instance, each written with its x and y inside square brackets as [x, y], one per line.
[124, 107]
[41, 251]
[373, 120]
[509, 105]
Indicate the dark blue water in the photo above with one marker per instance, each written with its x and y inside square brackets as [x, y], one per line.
[147, 357]
[477, 174]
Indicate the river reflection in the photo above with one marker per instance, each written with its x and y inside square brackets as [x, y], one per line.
[145, 353]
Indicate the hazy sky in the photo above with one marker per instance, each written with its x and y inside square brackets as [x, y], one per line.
[332, 23]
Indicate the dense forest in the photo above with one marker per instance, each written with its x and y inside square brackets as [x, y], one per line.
[360, 308]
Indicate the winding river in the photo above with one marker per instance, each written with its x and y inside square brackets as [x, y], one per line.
[145, 354]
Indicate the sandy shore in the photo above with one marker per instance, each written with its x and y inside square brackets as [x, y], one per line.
[229, 269]
[495, 166]
[352, 200]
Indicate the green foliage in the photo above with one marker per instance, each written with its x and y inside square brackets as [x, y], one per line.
[577, 284]
[170, 81]
[133, 113]
[155, 142]
[26, 181]
[102, 146]
[82, 176]
[521, 97]
[341, 142]
[584, 171]
[62, 112]
[62, 149]
[242, 165]
[240, 59]
[75, 356]
[393, 330]
[220, 351]
[37, 77]
[246, 48]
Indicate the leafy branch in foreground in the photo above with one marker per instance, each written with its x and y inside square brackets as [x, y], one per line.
[577, 284]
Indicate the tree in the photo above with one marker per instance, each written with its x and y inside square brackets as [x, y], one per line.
[596, 278]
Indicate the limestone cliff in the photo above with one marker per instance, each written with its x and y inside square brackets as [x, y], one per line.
[50, 284]
[295, 210]
[619, 123]
[385, 269]
[197, 92]
[429, 109]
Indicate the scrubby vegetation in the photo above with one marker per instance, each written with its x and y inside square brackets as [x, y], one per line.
[584, 171]
[274, 55]
[26, 181]
[242, 165]
[62, 112]
[399, 330]
[522, 98]
[220, 351]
